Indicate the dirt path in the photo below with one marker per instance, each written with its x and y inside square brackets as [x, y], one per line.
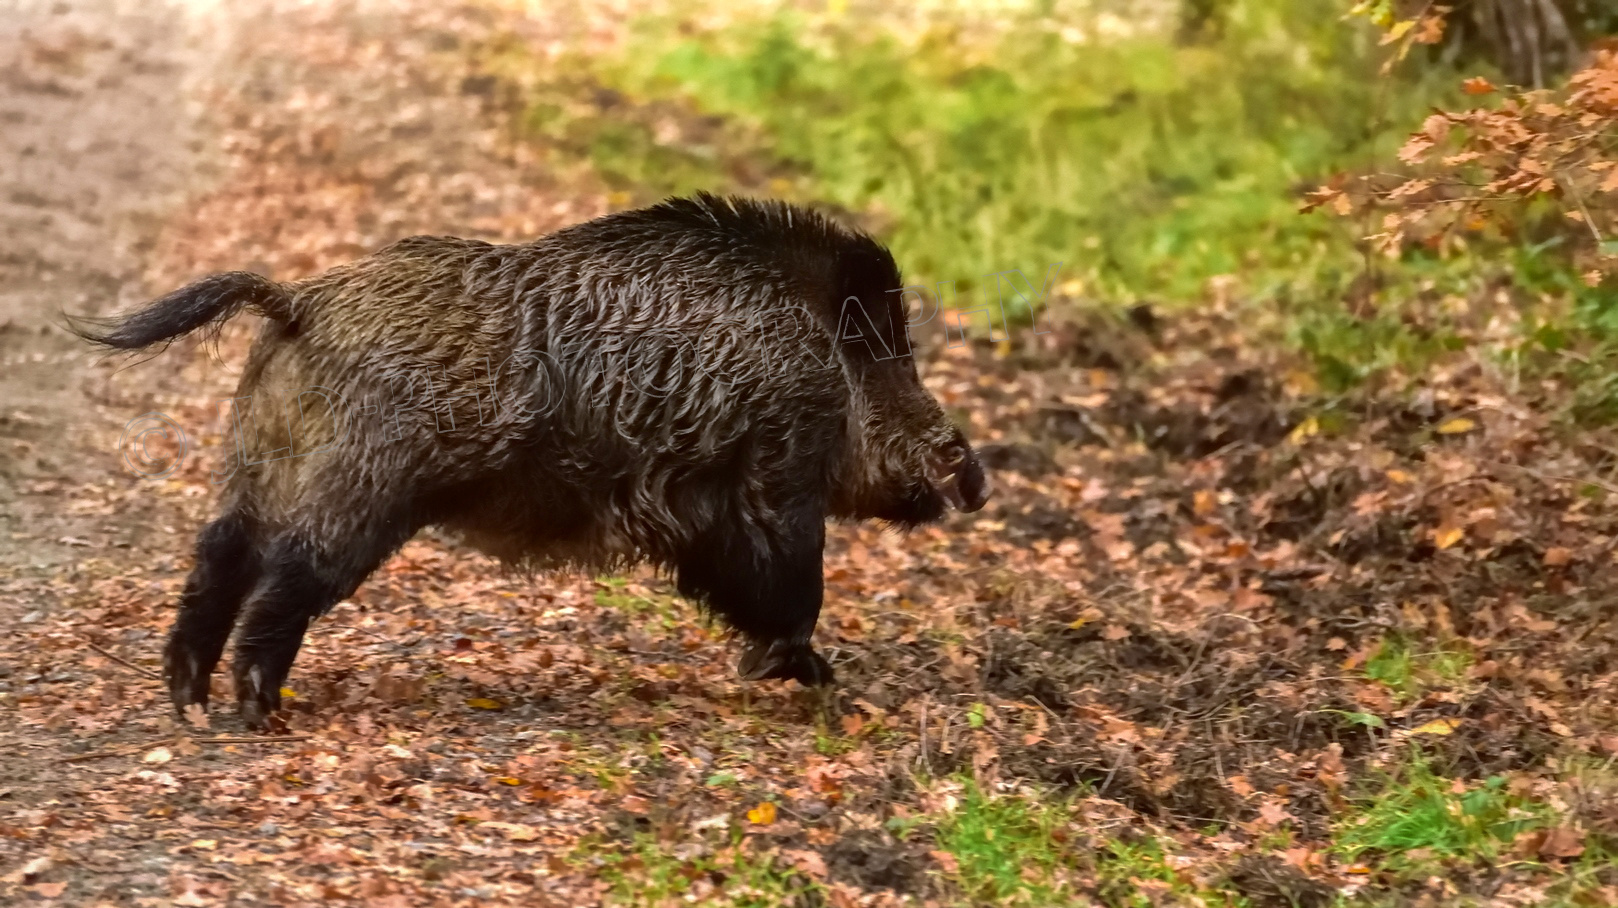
[99, 143]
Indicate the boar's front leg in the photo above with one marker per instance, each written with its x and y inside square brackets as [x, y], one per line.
[768, 588]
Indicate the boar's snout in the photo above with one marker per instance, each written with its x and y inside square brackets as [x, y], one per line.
[958, 474]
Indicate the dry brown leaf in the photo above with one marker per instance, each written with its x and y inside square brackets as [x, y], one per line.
[1562, 842]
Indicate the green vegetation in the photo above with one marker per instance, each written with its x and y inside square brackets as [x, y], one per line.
[644, 872]
[1007, 850]
[1145, 165]
[1408, 671]
[1153, 164]
[1417, 817]
[1018, 850]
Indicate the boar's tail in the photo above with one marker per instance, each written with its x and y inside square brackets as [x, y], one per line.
[210, 301]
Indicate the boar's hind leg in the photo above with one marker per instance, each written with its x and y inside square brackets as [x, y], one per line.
[770, 593]
[302, 581]
[226, 569]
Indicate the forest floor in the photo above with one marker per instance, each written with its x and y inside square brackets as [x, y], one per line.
[1217, 639]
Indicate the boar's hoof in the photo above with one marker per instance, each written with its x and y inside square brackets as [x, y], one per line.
[785, 659]
[259, 714]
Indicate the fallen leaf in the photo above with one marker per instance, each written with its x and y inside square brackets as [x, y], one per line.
[1457, 426]
[809, 862]
[1556, 556]
[516, 832]
[1273, 814]
[1437, 727]
[157, 755]
[947, 861]
[1204, 502]
[1562, 842]
[1444, 537]
[1477, 85]
[763, 814]
[483, 703]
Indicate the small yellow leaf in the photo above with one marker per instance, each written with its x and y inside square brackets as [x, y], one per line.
[763, 814]
[508, 780]
[288, 693]
[1437, 727]
[1447, 536]
[1308, 427]
[1457, 426]
[1398, 31]
[484, 703]
[1399, 476]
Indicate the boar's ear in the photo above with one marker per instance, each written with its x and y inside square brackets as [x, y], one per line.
[870, 310]
[859, 325]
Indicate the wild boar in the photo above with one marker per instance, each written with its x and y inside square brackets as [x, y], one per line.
[699, 385]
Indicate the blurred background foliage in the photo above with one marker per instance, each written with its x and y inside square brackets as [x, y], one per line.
[1160, 150]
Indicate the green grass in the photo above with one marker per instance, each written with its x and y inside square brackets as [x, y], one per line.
[1418, 818]
[646, 872]
[1020, 850]
[1145, 165]
[1007, 849]
[1409, 671]
[640, 607]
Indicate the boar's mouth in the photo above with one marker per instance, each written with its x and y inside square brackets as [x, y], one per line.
[955, 471]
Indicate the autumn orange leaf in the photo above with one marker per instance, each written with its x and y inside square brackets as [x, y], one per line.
[484, 703]
[763, 814]
[1477, 85]
[1447, 536]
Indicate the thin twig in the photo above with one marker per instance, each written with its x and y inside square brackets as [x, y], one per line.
[122, 661]
[261, 739]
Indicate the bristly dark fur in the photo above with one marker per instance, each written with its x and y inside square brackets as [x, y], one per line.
[700, 384]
